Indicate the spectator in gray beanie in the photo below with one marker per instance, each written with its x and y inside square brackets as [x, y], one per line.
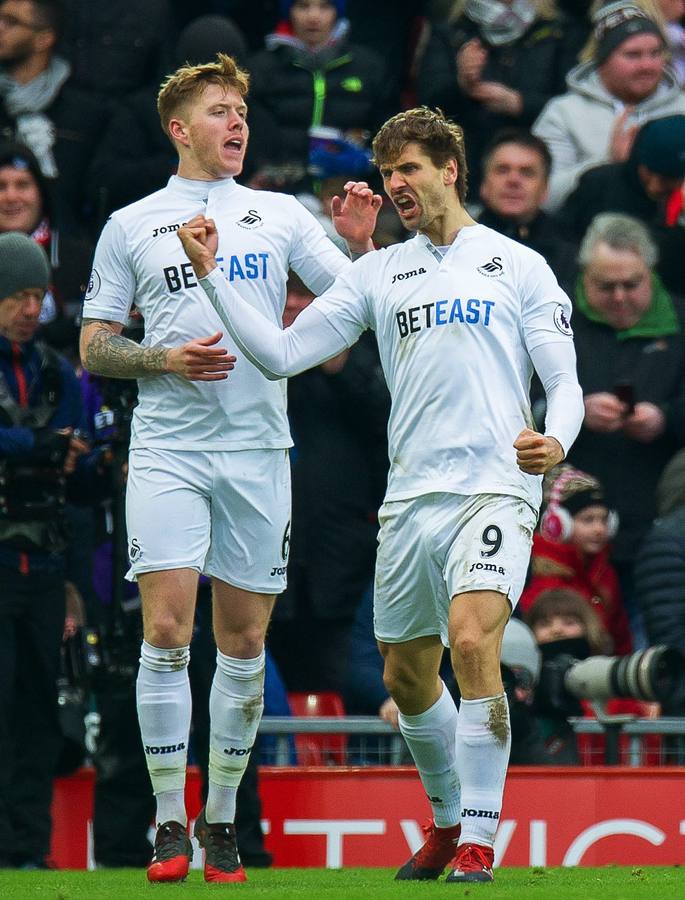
[624, 83]
[40, 408]
[23, 267]
[660, 571]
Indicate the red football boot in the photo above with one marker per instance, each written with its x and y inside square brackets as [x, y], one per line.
[173, 853]
[473, 862]
[428, 862]
[222, 861]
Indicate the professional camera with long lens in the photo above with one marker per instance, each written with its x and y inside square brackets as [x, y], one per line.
[651, 675]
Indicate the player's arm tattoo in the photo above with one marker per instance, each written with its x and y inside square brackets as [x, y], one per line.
[106, 352]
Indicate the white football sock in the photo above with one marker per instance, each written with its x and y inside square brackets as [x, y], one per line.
[431, 738]
[236, 702]
[164, 708]
[483, 745]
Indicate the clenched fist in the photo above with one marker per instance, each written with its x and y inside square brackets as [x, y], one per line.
[537, 454]
[200, 241]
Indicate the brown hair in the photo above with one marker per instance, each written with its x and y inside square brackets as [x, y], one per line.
[565, 602]
[188, 82]
[441, 140]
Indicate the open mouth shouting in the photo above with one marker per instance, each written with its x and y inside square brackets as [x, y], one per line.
[405, 204]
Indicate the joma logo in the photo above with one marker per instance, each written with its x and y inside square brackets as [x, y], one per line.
[168, 748]
[401, 276]
[237, 751]
[167, 229]
[480, 813]
[487, 567]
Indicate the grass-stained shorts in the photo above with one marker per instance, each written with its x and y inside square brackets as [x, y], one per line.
[435, 546]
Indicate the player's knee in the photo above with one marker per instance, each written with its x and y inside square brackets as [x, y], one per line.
[401, 681]
[165, 629]
[467, 645]
[244, 644]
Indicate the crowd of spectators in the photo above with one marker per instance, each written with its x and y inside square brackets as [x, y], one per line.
[574, 118]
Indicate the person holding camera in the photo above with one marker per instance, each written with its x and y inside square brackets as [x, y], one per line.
[40, 411]
[571, 550]
[578, 678]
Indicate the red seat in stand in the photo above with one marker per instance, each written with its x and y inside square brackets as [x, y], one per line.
[319, 749]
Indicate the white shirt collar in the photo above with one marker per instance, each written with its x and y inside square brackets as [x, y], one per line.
[194, 189]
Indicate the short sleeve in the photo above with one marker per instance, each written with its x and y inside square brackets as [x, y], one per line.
[112, 283]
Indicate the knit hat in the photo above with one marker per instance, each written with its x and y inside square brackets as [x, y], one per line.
[338, 4]
[615, 23]
[573, 490]
[23, 265]
[660, 146]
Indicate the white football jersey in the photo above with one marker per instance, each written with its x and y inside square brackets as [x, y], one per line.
[139, 259]
[454, 332]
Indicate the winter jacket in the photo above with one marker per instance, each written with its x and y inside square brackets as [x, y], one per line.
[612, 187]
[660, 589]
[629, 469]
[119, 46]
[342, 87]
[534, 65]
[616, 187]
[577, 126]
[544, 235]
[557, 565]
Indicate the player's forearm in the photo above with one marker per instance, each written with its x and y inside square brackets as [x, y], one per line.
[556, 367]
[308, 342]
[104, 352]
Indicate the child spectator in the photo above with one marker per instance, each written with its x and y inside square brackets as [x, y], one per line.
[571, 550]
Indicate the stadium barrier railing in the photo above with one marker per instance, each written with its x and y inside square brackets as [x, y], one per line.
[368, 741]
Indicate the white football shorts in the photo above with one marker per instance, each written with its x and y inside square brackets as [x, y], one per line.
[223, 513]
[435, 546]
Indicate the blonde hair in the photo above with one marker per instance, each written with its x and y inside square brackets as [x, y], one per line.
[545, 9]
[440, 139]
[189, 82]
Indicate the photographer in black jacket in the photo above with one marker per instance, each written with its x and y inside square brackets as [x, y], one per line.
[40, 410]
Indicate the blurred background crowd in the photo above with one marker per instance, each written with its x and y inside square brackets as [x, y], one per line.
[574, 118]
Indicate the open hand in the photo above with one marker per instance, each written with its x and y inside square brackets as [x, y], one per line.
[200, 241]
[537, 454]
[471, 59]
[498, 98]
[201, 360]
[622, 137]
[355, 217]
